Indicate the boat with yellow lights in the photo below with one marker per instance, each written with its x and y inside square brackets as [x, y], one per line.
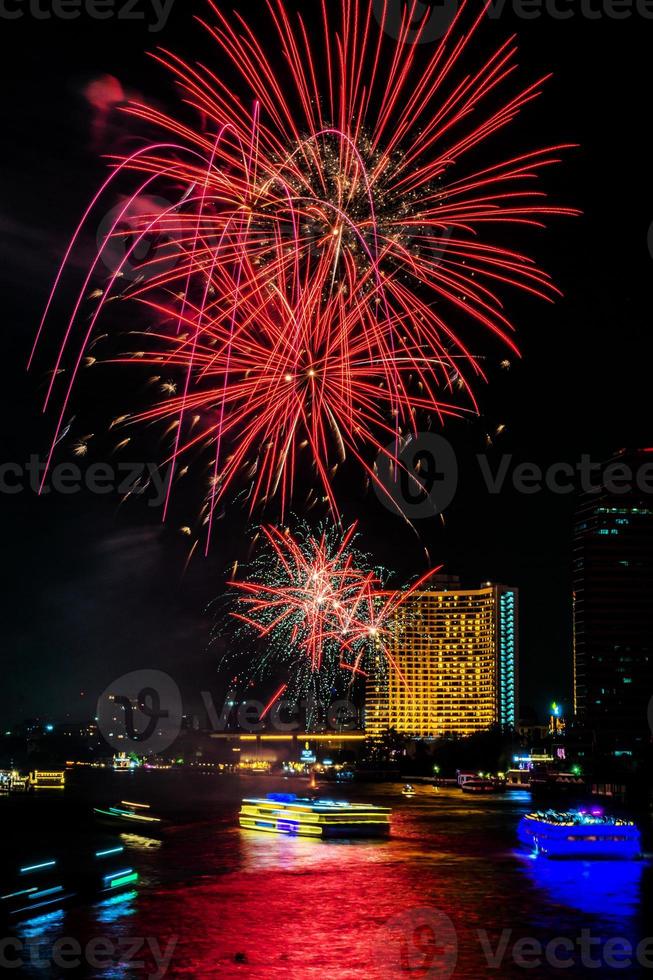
[47, 779]
[285, 813]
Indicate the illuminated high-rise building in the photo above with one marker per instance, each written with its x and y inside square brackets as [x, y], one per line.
[457, 653]
[613, 600]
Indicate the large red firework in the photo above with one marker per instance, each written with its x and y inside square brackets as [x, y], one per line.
[326, 246]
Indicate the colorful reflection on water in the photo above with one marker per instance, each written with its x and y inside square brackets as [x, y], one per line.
[598, 888]
[435, 899]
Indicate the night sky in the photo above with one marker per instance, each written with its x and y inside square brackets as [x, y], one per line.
[93, 589]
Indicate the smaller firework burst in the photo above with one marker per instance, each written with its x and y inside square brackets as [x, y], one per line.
[319, 609]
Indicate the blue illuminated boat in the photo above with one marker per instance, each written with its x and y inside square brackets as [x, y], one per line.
[285, 813]
[580, 834]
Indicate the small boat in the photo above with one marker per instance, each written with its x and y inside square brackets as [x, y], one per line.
[580, 834]
[34, 888]
[72, 874]
[19, 782]
[128, 814]
[345, 776]
[47, 779]
[481, 786]
[101, 871]
[285, 813]
[408, 790]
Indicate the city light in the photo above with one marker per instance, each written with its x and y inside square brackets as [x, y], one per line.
[328, 540]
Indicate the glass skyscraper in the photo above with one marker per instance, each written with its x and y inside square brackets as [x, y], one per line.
[613, 603]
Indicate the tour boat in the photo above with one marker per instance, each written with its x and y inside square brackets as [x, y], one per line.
[128, 814]
[47, 779]
[481, 786]
[285, 813]
[580, 834]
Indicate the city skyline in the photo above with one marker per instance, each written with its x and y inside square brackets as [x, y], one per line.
[326, 489]
[75, 545]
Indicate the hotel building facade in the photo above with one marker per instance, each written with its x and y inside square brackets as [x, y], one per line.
[457, 652]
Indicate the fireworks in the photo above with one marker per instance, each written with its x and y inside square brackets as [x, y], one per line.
[318, 606]
[323, 262]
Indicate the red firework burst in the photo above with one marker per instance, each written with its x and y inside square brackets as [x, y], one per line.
[317, 606]
[326, 248]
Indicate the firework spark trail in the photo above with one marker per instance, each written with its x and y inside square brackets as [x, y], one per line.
[330, 247]
[318, 607]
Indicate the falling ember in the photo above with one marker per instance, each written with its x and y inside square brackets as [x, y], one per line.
[326, 262]
[317, 608]
[80, 448]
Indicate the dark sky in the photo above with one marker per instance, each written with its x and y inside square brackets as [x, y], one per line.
[93, 589]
